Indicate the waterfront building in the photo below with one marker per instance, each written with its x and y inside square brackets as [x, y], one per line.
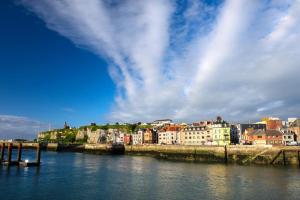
[255, 136]
[120, 137]
[221, 132]
[150, 136]
[294, 127]
[234, 137]
[141, 136]
[127, 139]
[169, 135]
[138, 137]
[265, 137]
[135, 138]
[274, 137]
[241, 129]
[288, 137]
[196, 134]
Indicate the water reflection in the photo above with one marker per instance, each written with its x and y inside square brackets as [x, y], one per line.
[83, 176]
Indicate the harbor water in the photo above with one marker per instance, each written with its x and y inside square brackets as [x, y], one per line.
[86, 176]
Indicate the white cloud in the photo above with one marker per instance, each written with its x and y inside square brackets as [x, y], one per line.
[188, 62]
[271, 105]
[12, 127]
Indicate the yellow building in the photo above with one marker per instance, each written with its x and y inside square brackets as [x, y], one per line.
[221, 134]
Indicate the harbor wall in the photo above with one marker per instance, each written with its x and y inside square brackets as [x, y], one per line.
[236, 154]
[221, 154]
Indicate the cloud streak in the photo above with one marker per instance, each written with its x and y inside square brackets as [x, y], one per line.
[187, 59]
[12, 127]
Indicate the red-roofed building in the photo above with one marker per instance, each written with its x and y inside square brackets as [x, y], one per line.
[261, 137]
[169, 135]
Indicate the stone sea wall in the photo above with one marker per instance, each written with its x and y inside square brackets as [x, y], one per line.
[244, 155]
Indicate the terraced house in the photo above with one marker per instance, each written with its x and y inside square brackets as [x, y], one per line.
[169, 135]
[268, 137]
[221, 132]
[197, 134]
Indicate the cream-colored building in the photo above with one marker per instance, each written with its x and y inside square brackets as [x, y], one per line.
[169, 135]
[196, 135]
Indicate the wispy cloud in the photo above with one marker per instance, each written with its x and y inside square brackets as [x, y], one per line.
[188, 60]
[271, 106]
[12, 127]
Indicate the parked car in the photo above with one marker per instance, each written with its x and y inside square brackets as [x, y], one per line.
[294, 143]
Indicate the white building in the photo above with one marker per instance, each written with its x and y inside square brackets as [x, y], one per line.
[138, 137]
[169, 135]
[287, 137]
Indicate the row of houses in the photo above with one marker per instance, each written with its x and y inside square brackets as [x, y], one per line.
[269, 131]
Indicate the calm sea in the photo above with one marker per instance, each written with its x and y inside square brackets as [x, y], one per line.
[83, 176]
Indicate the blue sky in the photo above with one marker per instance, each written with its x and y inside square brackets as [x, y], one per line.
[44, 77]
[128, 61]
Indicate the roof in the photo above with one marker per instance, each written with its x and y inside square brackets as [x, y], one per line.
[257, 132]
[267, 132]
[273, 132]
[170, 128]
[295, 123]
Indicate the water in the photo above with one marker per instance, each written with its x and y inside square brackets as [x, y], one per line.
[84, 176]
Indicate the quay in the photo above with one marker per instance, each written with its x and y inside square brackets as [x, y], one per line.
[229, 154]
[19, 162]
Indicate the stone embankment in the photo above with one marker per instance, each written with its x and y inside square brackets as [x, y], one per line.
[244, 155]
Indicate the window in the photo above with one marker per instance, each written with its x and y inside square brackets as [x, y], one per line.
[259, 136]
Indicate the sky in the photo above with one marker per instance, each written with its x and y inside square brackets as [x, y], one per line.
[130, 61]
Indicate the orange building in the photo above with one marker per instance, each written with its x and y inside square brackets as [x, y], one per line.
[150, 136]
[256, 137]
[261, 137]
